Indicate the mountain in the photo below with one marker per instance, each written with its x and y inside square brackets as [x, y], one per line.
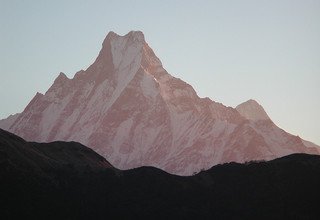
[54, 181]
[17, 154]
[130, 110]
[251, 110]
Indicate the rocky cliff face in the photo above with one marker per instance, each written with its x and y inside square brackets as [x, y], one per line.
[130, 110]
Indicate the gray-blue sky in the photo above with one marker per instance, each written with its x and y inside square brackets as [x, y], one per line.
[230, 51]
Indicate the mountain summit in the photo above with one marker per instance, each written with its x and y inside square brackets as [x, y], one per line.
[252, 110]
[130, 110]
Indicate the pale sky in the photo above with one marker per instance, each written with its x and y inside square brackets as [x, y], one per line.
[230, 51]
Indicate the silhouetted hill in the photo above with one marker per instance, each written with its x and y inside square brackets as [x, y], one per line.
[30, 156]
[69, 181]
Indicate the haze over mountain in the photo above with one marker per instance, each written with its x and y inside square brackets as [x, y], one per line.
[130, 110]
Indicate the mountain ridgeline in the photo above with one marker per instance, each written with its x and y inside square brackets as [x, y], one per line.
[62, 180]
[130, 110]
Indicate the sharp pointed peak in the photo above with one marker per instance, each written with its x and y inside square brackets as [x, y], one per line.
[136, 36]
[111, 35]
[250, 102]
[129, 34]
[252, 110]
[62, 75]
[61, 78]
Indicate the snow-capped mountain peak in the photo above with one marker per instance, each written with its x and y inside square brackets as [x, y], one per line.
[252, 110]
[130, 110]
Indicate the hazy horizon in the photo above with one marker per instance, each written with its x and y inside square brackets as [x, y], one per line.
[228, 51]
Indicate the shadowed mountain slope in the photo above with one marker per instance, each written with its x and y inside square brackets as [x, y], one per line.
[53, 181]
[17, 154]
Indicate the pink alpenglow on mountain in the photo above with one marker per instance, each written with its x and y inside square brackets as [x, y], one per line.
[130, 110]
